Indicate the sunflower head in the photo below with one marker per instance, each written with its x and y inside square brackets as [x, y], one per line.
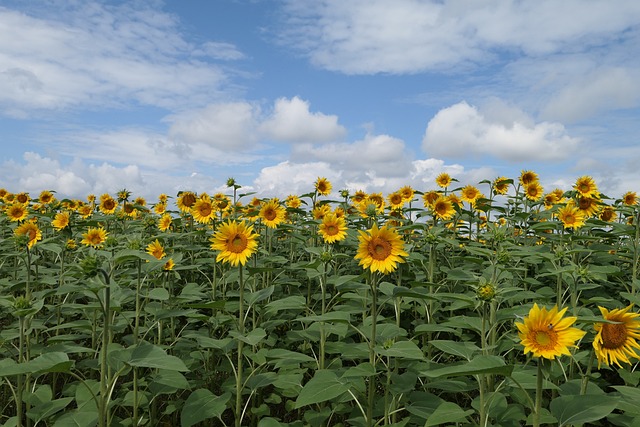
[443, 208]
[61, 221]
[272, 213]
[546, 333]
[586, 187]
[617, 342]
[30, 231]
[156, 249]
[380, 249]
[501, 185]
[527, 177]
[571, 216]
[443, 180]
[630, 198]
[94, 237]
[323, 186]
[236, 242]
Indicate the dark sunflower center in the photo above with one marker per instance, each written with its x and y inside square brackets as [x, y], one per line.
[331, 230]
[613, 335]
[205, 209]
[188, 200]
[109, 204]
[237, 243]
[584, 203]
[270, 214]
[379, 249]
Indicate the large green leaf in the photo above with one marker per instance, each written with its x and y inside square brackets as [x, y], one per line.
[402, 350]
[465, 350]
[448, 412]
[146, 355]
[48, 362]
[580, 409]
[202, 405]
[324, 386]
[479, 365]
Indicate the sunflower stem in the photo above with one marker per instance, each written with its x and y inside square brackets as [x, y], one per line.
[538, 407]
[238, 413]
[372, 343]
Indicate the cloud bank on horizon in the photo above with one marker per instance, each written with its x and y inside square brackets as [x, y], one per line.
[155, 97]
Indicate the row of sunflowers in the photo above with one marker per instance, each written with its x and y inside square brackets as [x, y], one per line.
[441, 306]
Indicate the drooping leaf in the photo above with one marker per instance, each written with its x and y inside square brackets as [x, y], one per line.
[324, 385]
[202, 405]
[580, 409]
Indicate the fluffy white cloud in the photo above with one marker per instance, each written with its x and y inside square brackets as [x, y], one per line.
[291, 121]
[293, 178]
[368, 36]
[227, 126]
[462, 130]
[89, 53]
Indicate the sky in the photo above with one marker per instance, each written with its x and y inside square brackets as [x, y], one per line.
[165, 96]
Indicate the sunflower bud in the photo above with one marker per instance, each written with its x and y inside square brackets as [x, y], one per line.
[90, 266]
[344, 193]
[326, 256]
[22, 303]
[486, 292]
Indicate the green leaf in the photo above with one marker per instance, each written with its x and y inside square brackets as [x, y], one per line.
[324, 386]
[160, 294]
[580, 409]
[402, 350]
[464, 349]
[252, 338]
[448, 412]
[479, 365]
[202, 405]
[48, 362]
[46, 409]
[261, 295]
[146, 355]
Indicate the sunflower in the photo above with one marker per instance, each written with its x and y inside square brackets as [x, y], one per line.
[17, 212]
[168, 266]
[359, 197]
[163, 198]
[546, 334]
[94, 237]
[271, 213]
[501, 185]
[586, 186]
[156, 249]
[164, 222]
[221, 202]
[407, 193]
[160, 208]
[470, 194]
[3, 193]
[293, 201]
[528, 177]
[616, 342]
[46, 197]
[107, 204]
[430, 197]
[186, 200]
[378, 200]
[236, 242]
[396, 201]
[85, 211]
[23, 198]
[443, 208]
[443, 180]
[630, 198]
[549, 200]
[380, 249]
[323, 186]
[320, 211]
[571, 216]
[332, 228]
[533, 191]
[608, 214]
[61, 220]
[30, 230]
[203, 210]
[589, 206]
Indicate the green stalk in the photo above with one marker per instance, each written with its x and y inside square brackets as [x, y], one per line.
[239, 372]
[21, 385]
[372, 344]
[538, 407]
[106, 335]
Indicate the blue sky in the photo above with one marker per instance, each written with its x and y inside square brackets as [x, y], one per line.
[163, 96]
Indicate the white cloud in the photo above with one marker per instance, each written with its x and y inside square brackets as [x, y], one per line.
[462, 130]
[226, 126]
[94, 54]
[368, 36]
[293, 178]
[291, 121]
[603, 89]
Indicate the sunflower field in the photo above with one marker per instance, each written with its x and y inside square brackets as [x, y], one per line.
[497, 304]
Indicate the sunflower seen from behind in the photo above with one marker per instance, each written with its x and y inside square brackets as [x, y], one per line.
[380, 249]
[236, 242]
[617, 342]
[546, 333]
